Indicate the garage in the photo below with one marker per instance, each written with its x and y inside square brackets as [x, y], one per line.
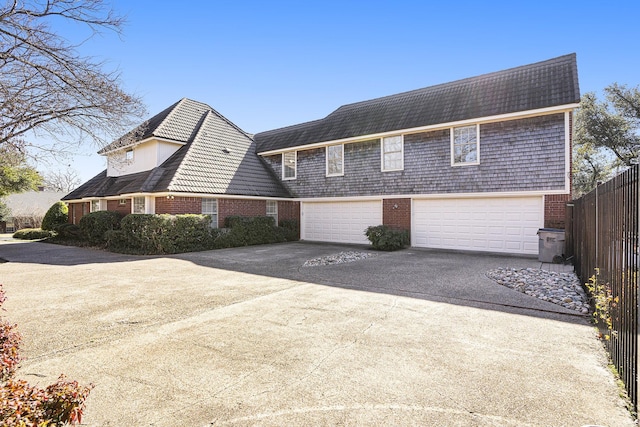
[340, 222]
[504, 224]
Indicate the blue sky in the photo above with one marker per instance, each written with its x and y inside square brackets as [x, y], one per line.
[268, 64]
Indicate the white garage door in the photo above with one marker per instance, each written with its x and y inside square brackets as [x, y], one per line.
[487, 224]
[341, 222]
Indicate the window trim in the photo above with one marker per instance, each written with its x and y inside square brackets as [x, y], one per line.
[274, 214]
[382, 153]
[122, 202]
[452, 132]
[127, 157]
[144, 205]
[99, 202]
[326, 155]
[214, 221]
[295, 165]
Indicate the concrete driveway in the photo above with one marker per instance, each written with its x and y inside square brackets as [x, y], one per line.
[250, 337]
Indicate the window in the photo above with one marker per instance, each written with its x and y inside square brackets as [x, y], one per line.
[138, 205]
[392, 153]
[335, 160]
[464, 145]
[289, 161]
[95, 205]
[122, 202]
[210, 207]
[128, 155]
[272, 210]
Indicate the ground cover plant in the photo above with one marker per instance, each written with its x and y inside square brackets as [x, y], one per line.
[24, 405]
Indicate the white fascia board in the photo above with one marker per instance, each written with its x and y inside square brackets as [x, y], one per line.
[479, 120]
[434, 196]
[178, 194]
[567, 149]
[151, 138]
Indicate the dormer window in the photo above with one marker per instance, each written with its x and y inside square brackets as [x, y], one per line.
[128, 155]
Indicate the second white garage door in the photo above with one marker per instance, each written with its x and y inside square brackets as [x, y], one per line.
[340, 222]
[486, 224]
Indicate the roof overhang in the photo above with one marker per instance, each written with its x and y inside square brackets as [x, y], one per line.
[479, 120]
[151, 138]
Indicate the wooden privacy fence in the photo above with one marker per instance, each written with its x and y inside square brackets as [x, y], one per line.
[602, 235]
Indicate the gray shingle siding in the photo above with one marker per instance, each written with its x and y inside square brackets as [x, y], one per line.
[517, 155]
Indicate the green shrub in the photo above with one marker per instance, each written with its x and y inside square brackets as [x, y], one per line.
[33, 234]
[246, 231]
[289, 229]
[188, 233]
[57, 215]
[95, 224]
[69, 231]
[385, 238]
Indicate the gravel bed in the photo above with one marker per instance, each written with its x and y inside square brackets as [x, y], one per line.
[559, 288]
[338, 258]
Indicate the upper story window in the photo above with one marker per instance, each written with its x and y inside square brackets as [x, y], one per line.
[392, 153]
[128, 155]
[139, 205]
[465, 149]
[272, 210]
[335, 160]
[289, 161]
[210, 207]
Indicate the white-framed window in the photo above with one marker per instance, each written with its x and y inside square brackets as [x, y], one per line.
[122, 202]
[465, 145]
[95, 205]
[128, 155]
[335, 160]
[139, 206]
[289, 164]
[272, 210]
[210, 207]
[392, 153]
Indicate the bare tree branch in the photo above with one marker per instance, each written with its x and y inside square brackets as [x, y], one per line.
[47, 87]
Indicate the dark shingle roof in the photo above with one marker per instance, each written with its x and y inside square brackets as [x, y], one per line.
[218, 158]
[544, 84]
[176, 123]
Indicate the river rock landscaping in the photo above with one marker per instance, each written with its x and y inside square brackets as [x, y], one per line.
[339, 258]
[559, 288]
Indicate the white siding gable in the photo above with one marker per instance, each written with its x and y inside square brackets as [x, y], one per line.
[146, 156]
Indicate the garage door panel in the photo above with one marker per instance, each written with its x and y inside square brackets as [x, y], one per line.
[489, 224]
[341, 222]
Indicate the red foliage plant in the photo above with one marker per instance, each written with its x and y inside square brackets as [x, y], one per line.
[23, 405]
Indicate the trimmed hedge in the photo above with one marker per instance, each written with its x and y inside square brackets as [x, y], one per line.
[33, 234]
[57, 215]
[170, 234]
[385, 238]
[95, 224]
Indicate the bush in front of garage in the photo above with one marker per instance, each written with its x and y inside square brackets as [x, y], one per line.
[385, 238]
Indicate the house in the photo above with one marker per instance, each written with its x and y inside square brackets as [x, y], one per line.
[28, 209]
[186, 159]
[475, 164]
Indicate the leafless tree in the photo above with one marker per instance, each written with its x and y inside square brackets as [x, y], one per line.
[62, 180]
[48, 88]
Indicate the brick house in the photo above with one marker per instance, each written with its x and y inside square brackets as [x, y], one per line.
[475, 164]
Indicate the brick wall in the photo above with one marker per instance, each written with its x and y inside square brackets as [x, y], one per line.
[554, 210]
[396, 213]
[242, 207]
[178, 205]
[77, 211]
[289, 210]
[115, 206]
